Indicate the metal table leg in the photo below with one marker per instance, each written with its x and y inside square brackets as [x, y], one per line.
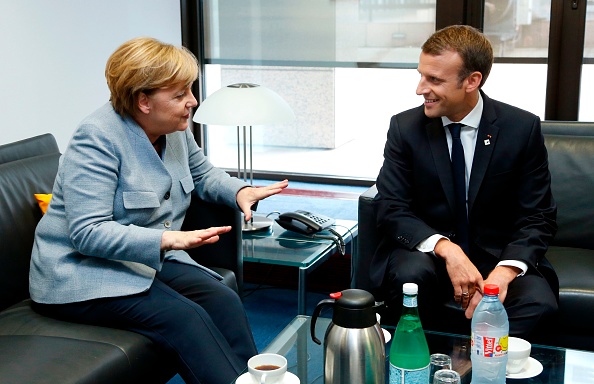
[302, 291]
[302, 337]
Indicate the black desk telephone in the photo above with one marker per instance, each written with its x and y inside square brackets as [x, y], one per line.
[304, 222]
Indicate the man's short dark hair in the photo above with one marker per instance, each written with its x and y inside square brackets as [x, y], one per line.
[472, 46]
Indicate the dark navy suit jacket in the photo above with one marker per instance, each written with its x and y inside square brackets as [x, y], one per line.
[511, 210]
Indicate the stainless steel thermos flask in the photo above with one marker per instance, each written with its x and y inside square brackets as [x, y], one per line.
[354, 345]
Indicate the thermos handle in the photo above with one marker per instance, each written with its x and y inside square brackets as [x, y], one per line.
[315, 315]
[379, 305]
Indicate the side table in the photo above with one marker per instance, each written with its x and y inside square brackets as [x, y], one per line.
[306, 359]
[281, 247]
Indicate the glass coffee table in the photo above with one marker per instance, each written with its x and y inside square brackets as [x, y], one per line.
[305, 358]
[281, 247]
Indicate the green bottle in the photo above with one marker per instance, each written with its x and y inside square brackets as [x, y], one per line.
[409, 353]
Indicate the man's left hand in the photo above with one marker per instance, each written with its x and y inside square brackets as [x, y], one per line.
[501, 276]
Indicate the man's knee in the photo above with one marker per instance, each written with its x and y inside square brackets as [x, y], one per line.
[530, 302]
[406, 266]
[410, 267]
[534, 292]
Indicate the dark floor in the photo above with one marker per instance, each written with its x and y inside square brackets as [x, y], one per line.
[270, 309]
[270, 295]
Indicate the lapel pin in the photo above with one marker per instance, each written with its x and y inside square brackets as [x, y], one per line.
[488, 142]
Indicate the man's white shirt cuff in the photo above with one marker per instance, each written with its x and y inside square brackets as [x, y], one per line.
[428, 246]
[515, 263]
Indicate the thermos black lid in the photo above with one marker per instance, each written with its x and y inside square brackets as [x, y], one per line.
[354, 308]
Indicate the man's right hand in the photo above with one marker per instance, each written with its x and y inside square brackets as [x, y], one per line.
[465, 278]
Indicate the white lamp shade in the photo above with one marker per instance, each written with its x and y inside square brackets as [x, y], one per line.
[244, 104]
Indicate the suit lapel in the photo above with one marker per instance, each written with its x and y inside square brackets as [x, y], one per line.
[441, 158]
[145, 152]
[172, 159]
[485, 144]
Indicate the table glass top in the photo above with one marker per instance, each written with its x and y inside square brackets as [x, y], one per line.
[279, 246]
[305, 358]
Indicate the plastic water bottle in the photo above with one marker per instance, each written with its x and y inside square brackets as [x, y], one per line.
[409, 353]
[490, 330]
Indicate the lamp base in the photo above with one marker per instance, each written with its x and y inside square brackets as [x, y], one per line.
[258, 223]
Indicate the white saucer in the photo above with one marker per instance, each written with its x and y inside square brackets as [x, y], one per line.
[533, 367]
[387, 335]
[289, 379]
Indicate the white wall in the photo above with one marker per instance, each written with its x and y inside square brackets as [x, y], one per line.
[53, 54]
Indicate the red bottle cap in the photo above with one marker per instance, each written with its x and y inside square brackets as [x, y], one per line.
[336, 295]
[491, 289]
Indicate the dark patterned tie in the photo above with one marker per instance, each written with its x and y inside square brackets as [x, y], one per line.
[458, 170]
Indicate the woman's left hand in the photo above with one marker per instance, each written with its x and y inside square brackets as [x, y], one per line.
[246, 197]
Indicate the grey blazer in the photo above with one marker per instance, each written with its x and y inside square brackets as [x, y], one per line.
[112, 199]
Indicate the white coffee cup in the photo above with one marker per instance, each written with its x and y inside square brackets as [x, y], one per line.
[518, 352]
[267, 368]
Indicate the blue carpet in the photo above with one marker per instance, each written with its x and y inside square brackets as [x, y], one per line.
[270, 309]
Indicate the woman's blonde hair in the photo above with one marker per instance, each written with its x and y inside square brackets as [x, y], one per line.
[143, 65]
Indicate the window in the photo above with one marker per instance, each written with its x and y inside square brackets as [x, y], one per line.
[344, 66]
[587, 91]
[347, 66]
[519, 33]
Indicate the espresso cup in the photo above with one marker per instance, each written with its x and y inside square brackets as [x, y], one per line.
[267, 368]
[518, 352]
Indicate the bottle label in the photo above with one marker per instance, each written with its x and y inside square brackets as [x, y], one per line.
[409, 301]
[409, 376]
[488, 346]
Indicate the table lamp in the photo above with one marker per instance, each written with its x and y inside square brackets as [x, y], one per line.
[245, 105]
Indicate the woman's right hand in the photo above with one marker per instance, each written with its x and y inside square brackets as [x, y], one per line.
[191, 239]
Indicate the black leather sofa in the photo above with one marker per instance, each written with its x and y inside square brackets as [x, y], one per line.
[37, 349]
[571, 161]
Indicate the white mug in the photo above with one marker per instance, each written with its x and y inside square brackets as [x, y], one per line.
[518, 352]
[267, 368]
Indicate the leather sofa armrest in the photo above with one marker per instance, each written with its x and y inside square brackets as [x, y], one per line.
[227, 252]
[367, 240]
[35, 146]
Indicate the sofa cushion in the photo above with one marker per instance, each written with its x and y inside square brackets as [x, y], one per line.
[43, 199]
[20, 213]
[142, 356]
[575, 268]
[202, 214]
[43, 359]
[572, 181]
[34, 146]
[367, 240]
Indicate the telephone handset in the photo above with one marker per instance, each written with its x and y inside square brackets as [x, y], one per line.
[304, 222]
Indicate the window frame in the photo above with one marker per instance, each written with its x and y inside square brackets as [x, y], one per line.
[564, 59]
